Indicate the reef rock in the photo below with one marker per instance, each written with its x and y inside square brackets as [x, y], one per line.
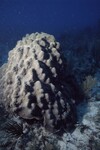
[34, 82]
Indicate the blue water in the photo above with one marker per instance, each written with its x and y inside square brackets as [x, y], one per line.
[18, 17]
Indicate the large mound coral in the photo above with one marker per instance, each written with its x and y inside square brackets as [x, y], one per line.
[34, 83]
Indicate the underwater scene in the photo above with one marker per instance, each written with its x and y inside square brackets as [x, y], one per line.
[49, 74]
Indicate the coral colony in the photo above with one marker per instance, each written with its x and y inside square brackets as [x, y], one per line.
[35, 82]
[48, 105]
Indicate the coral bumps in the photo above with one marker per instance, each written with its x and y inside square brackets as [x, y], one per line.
[34, 82]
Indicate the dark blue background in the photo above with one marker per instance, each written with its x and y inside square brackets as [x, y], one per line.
[18, 17]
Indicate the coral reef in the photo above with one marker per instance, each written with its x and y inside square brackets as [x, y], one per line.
[29, 75]
[35, 84]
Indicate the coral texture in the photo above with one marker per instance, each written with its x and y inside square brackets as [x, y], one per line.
[34, 81]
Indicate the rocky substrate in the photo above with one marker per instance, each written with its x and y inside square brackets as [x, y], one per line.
[85, 136]
[19, 132]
